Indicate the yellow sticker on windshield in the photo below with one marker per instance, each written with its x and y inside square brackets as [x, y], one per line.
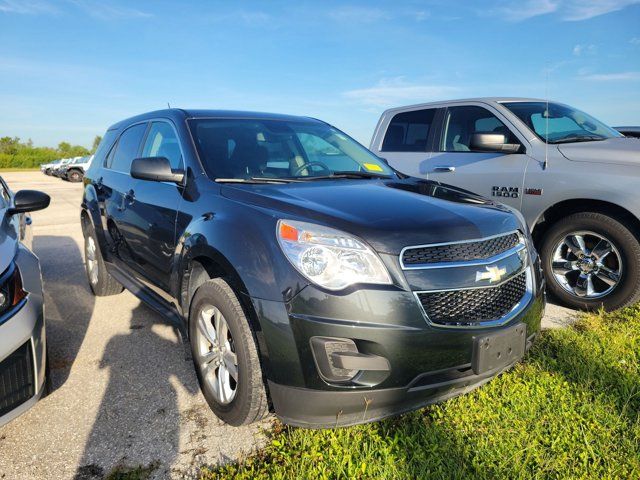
[372, 167]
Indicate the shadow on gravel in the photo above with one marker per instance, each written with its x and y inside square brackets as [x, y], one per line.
[69, 302]
[138, 425]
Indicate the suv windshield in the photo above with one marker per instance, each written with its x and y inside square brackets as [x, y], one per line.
[250, 149]
[558, 123]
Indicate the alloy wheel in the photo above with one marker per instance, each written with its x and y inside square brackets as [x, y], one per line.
[92, 260]
[586, 264]
[216, 354]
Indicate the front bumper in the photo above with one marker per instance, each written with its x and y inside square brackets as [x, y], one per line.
[23, 344]
[427, 363]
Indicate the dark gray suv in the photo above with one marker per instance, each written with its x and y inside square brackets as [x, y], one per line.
[307, 273]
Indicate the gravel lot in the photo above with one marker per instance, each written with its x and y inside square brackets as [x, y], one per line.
[125, 393]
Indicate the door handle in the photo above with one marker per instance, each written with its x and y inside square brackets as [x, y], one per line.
[443, 169]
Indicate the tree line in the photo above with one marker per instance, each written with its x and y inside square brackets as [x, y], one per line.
[15, 153]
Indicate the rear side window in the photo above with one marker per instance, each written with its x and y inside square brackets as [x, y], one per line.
[409, 131]
[105, 145]
[127, 148]
[163, 142]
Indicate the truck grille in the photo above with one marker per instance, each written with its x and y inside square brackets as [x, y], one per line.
[459, 252]
[472, 307]
[17, 384]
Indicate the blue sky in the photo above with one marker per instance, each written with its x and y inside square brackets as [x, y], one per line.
[70, 68]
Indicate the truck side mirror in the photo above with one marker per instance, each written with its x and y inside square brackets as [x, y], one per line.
[493, 142]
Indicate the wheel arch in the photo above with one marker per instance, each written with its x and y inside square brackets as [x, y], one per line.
[576, 205]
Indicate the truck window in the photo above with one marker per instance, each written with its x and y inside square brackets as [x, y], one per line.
[462, 122]
[409, 131]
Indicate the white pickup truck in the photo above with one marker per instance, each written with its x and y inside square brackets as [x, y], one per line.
[575, 180]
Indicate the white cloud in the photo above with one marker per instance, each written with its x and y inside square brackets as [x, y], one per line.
[103, 11]
[395, 91]
[612, 77]
[635, 41]
[356, 14]
[27, 7]
[352, 13]
[584, 9]
[568, 10]
[522, 10]
[581, 49]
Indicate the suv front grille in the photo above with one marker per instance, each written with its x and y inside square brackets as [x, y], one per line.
[472, 307]
[17, 384]
[459, 252]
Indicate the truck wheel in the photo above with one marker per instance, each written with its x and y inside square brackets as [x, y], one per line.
[225, 355]
[592, 260]
[74, 176]
[101, 282]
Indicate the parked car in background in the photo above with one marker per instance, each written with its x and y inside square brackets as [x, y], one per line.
[23, 345]
[574, 179]
[304, 268]
[46, 167]
[629, 131]
[74, 171]
[55, 168]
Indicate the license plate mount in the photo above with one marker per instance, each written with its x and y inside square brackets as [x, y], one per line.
[498, 350]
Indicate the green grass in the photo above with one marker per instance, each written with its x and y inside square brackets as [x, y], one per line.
[571, 410]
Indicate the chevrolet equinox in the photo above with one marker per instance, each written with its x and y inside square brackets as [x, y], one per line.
[310, 277]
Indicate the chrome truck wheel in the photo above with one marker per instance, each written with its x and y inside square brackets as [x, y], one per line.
[592, 260]
[587, 264]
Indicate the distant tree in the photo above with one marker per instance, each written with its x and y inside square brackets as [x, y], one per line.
[17, 154]
[96, 142]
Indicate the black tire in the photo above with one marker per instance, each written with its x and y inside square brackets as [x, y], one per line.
[250, 401]
[74, 176]
[104, 284]
[627, 291]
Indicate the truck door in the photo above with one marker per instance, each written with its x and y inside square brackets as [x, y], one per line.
[497, 175]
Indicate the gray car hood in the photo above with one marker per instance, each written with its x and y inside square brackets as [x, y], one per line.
[622, 150]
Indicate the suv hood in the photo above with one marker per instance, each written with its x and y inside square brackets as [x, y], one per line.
[387, 214]
[622, 150]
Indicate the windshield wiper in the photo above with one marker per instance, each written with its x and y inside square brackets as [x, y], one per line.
[335, 175]
[578, 138]
[256, 180]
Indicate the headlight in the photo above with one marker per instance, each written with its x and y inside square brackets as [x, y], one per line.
[11, 291]
[330, 258]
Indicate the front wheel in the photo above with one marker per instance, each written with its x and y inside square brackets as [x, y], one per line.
[225, 355]
[592, 260]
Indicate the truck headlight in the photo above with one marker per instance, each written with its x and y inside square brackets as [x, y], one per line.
[328, 257]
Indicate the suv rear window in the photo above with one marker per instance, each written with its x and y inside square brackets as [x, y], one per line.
[409, 131]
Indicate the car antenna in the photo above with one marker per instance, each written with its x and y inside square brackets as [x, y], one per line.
[546, 118]
[168, 105]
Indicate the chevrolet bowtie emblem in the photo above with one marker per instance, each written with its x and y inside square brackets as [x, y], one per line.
[493, 274]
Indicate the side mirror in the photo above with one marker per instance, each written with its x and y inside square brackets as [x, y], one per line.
[155, 169]
[29, 201]
[493, 142]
